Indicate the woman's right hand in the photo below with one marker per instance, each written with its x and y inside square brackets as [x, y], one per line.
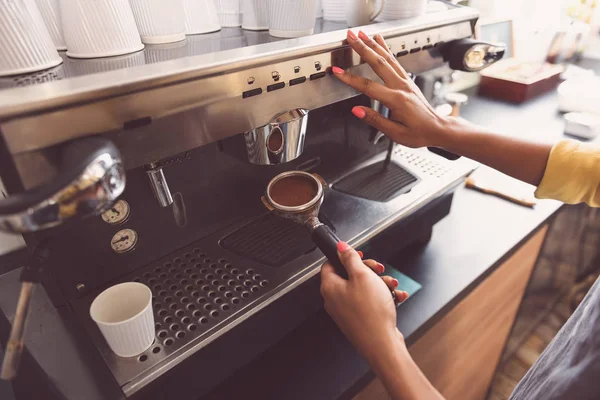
[413, 122]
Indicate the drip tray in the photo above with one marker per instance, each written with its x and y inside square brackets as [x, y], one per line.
[377, 182]
[270, 240]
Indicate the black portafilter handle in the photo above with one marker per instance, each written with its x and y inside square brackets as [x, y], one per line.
[444, 153]
[326, 240]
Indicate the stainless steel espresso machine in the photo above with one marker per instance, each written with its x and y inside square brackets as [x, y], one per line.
[200, 127]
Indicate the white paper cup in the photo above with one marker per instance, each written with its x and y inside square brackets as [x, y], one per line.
[123, 314]
[159, 21]
[165, 52]
[200, 17]
[50, 10]
[319, 9]
[399, 9]
[229, 12]
[255, 16]
[292, 18]
[334, 10]
[99, 28]
[25, 43]
[83, 66]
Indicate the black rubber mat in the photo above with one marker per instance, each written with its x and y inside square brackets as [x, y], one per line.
[377, 183]
[270, 240]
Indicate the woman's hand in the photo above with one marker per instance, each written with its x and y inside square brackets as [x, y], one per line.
[362, 306]
[413, 122]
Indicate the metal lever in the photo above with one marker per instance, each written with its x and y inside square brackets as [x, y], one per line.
[159, 185]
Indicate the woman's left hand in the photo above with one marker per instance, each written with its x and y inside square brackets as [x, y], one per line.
[361, 305]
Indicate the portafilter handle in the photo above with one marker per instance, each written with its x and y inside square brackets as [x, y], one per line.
[326, 240]
[90, 179]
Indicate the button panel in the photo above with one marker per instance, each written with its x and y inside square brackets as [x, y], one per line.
[318, 76]
[275, 86]
[415, 50]
[250, 93]
[297, 81]
[402, 53]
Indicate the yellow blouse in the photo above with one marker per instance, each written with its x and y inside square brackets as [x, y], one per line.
[572, 174]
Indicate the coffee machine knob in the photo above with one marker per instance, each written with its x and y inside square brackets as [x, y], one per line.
[471, 55]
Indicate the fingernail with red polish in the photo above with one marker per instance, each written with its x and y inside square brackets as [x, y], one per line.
[395, 282]
[337, 70]
[381, 268]
[342, 247]
[359, 112]
[362, 35]
[360, 254]
[351, 35]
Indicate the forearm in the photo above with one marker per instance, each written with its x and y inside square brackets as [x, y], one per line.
[400, 375]
[518, 158]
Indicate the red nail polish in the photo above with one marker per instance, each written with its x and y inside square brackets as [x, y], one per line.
[360, 254]
[381, 268]
[351, 35]
[362, 35]
[395, 282]
[337, 70]
[359, 112]
[342, 247]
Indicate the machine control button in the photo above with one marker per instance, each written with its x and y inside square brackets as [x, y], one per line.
[318, 75]
[117, 214]
[402, 53]
[124, 241]
[318, 65]
[296, 69]
[427, 46]
[250, 93]
[275, 86]
[297, 81]
[415, 50]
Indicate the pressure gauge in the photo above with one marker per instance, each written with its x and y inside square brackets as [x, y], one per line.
[124, 241]
[117, 214]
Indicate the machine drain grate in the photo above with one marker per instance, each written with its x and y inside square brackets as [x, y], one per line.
[377, 182]
[270, 240]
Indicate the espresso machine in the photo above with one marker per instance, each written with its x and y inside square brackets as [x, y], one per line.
[201, 127]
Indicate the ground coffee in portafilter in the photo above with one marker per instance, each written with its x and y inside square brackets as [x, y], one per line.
[293, 190]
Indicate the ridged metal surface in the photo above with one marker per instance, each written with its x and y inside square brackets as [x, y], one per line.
[99, 28]
[270, 240]
[25, 44]
[377, 182]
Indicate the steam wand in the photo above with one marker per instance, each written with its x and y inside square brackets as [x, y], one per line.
[30, 277]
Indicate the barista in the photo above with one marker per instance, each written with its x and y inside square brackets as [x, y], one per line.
[568, 171]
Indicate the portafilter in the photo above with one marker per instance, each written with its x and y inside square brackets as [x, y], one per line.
[298, 195]
[90, 179]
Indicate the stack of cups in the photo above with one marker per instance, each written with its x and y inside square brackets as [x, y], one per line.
[334, 10]
[255, 16]
[292, 18]
[396, 9]
[319, 8]
[25, 43]
[124, 315]
[159, 21]
[50, 10]
[229, 13]
[200, 17]
[99, 28]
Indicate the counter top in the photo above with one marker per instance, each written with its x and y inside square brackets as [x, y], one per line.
[315, 361]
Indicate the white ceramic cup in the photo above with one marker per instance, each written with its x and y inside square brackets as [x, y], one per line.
[363, 12]
[319, 8]
[200, 17]
[230, 15]
[99, 28]
[292, 18]
[124, 315]
[25, 43]
[159, 21]
[50, 10]
[255, 16]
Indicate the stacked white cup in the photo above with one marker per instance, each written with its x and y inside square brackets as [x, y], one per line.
[25, 43]
[255, 16]
[99, 28]
[334, 10]
[229, 13]
[292, 18]
[159, 21]
[200, 17]
[398, 9]
[50, 10]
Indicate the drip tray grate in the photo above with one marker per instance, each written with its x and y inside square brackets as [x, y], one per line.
[270, 240]
[192, 292]
[377, 182]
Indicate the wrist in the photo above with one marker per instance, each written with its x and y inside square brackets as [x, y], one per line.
[448, 133]
[386, 350]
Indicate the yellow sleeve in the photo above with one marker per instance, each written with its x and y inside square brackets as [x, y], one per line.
[572, 174]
